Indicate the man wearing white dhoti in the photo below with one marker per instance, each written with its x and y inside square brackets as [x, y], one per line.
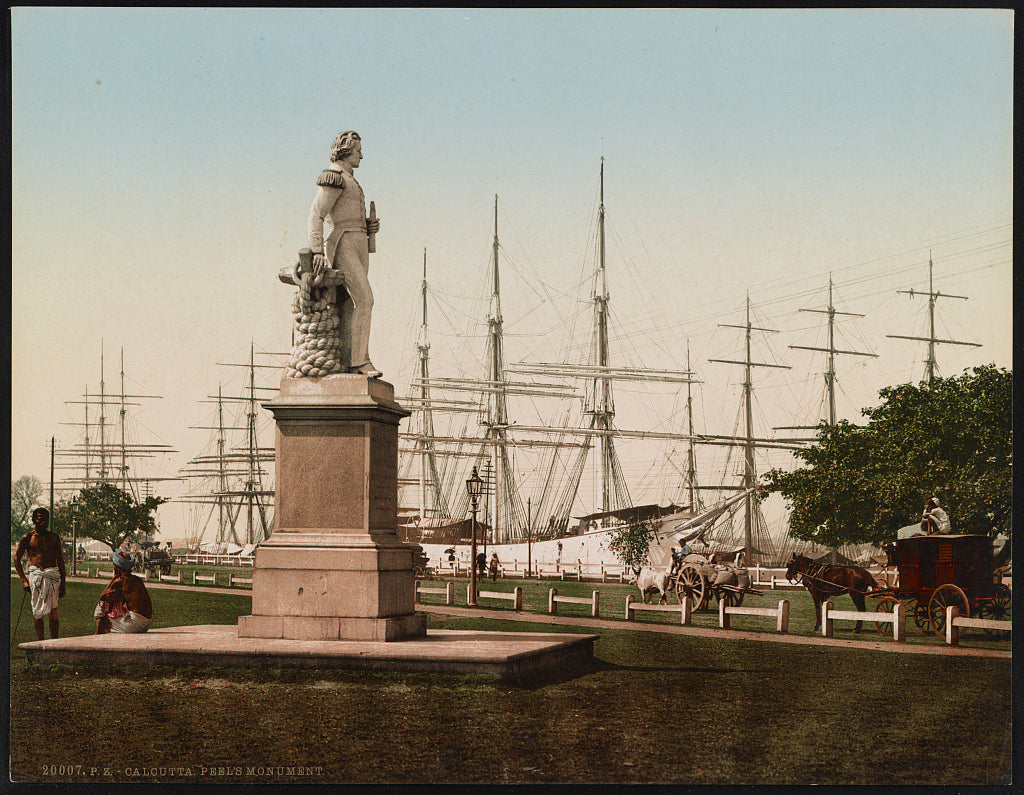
[46, 576]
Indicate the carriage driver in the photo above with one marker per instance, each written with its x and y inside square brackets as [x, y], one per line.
[934, 520]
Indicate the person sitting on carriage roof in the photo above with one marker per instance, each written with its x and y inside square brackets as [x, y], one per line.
[934, 520]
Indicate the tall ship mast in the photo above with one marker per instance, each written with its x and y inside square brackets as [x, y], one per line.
[930, 363]
[107, 452]
[233, 479]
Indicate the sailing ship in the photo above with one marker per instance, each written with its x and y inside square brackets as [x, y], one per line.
[229, 483]
[108, 449]
[543, 527]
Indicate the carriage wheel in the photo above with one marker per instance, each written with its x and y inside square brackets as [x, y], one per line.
[920, 615]
[997, 609]
[732, 598]
[692, 585]
[943, 597]
[887, 604]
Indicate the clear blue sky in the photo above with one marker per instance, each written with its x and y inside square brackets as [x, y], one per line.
[164, 161]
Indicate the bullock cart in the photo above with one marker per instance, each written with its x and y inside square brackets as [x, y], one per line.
[936, 571]
[699, 577]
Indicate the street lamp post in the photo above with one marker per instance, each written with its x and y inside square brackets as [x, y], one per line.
[474, 485]
[74, 536]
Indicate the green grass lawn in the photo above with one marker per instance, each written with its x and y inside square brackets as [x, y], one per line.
[654, 708]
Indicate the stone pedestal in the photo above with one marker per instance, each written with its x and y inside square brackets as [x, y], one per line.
[334, 568]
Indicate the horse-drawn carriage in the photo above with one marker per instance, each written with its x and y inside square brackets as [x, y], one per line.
[936, 571]
[698, 577]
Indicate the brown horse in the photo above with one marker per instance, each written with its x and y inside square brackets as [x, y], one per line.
[824, 580]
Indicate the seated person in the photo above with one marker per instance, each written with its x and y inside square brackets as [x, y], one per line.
[124, 605]
[934, 520]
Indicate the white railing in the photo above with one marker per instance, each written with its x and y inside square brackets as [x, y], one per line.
[780, 614]
[171, 577]
[233, 581]
[198, 578]
[683, 608]
[516, 597]
[954, 622]
[898, 619]
[216, 560]
[594, 601]
[448, 592]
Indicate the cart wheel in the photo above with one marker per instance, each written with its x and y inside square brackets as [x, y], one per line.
[731, 598]
[943, 597]
[997, 609]
[693, 586]
[920, 615]
[887, 604]
[737, 598]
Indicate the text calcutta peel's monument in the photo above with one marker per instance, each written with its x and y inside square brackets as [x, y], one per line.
[334, 568]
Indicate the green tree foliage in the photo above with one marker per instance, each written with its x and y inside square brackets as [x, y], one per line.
[109, 514]
[631, 544]
[25, 494]
[951, 439]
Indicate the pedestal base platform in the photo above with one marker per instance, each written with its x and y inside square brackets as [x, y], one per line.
[511, 655]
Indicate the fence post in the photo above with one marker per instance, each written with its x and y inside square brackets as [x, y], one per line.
[179, 576]
[416, 599]
[952, 631]
[685, 609]
[518, 603]
[723, 616]
[469, 594]
[597, 604]
[773, 582]
[826, 620]
[552, 604]
[899, 627]
[782, 625]
[449, 596]
[629, 607]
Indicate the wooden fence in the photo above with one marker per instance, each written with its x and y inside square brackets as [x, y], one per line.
[898, 618]
[954, 621]
[780, 614]
[594, 601]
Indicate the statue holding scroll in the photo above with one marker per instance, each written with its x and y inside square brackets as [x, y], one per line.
[335, 302]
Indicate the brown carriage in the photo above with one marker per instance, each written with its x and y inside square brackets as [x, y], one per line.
[936, 571]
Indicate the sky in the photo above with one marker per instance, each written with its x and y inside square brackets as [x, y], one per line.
[164, 161]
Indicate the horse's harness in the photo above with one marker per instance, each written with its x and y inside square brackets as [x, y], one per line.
[815, 574]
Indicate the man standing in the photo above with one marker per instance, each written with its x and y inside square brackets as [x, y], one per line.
[934, 520]
[339, 203]
[46, 580]
[124, 605]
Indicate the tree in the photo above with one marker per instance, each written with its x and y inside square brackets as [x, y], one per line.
[631, 545]
[25, 494]
[111, 515]
[951, 438]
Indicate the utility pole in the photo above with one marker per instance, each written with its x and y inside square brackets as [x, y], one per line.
[931, 339]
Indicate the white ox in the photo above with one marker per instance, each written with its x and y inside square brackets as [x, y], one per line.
[650, 580]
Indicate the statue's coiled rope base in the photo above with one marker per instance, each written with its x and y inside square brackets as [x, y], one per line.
[317, 348]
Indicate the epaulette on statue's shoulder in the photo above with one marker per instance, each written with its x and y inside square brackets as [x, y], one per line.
[329, 178]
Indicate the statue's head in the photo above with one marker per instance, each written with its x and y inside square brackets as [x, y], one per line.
[343, 144]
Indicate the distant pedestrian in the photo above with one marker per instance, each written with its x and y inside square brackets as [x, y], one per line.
[481, 564]
[125, 605]
[46, 580]
[494, 567]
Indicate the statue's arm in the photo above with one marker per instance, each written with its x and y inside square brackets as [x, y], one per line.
[323, 201]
